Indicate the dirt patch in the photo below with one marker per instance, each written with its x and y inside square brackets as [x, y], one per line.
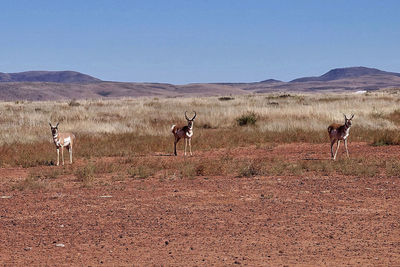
[309, 219]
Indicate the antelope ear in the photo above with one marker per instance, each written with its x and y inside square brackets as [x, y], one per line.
[345, 116]
[57, 124]
[352, 116]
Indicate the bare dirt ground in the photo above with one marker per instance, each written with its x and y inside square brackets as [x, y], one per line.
[307, 219]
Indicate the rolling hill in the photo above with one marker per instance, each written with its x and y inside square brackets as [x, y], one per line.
[347, 73]
[48, 85]
[48, 76]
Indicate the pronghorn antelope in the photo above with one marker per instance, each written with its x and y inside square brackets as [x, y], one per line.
[62, 140]
[185, 132]
[338, 132]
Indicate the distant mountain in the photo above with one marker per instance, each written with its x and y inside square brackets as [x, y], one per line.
[271, 81]
[48, 76]
[56, 85]
[346, 73]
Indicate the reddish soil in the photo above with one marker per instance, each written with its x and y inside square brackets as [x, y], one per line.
[309, 219]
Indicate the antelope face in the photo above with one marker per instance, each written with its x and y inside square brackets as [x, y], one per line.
[190, 121]
[347, 121]
[190, 124]
[54, 129]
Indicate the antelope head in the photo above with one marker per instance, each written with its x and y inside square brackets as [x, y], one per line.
[190, 121]
[54, 129]
[347, 121]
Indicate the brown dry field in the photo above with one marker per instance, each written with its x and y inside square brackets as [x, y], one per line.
[309, 211]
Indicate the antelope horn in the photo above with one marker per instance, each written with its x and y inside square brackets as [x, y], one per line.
[194, 115]
[57, 124]
[352, 115]
[50, 124]
[345, 116]
[186, 116]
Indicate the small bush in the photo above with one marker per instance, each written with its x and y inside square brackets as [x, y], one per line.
[52, 174]
[249, 169]
[32, 182]
[357, 167]
[282, 96]
[106, 167]
[247, 119]
[189, 171]
[393, 168]
[74, 103]
[86, 174]
[285, 96]
[394, 116]
[386, 138]
[206, 126]
[225, 98]
[275, 104]
[140, 172]
[200, 170]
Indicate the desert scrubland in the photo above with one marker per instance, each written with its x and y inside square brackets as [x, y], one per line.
[260, 189]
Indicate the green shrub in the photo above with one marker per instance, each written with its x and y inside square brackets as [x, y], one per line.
[247, 119]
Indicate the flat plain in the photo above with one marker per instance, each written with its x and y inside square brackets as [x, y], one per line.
[260, 188]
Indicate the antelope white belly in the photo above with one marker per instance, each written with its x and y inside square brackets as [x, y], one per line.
[347, 133]
[67, 141]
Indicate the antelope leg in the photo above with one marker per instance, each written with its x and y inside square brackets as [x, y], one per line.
[332, 143]
[345, 144]
[337, 148]
[62, 155]
[58, 156]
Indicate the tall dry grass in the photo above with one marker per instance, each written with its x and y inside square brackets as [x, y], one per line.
[126, 127]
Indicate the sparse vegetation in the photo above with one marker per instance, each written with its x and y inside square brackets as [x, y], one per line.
[140, 172]
[225, 98]
[86, 174]
[393, 168]
[247, 119]
[134, 127]
[188, 170]
[386, 138]
[32, 182]
[74, 103]
[249, 169]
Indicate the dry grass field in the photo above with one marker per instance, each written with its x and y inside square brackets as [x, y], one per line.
[143, 125]
[260, 188]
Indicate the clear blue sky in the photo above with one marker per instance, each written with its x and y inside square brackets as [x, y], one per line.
[199, 41]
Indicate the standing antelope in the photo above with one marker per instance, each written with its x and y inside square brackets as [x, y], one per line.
[62, 140]
[338, 132]
[185, 132]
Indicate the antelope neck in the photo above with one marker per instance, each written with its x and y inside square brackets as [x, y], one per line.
[56, 141]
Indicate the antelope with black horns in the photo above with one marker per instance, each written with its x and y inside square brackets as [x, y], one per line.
[338, 132]
[62, 140]
[185, 132]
